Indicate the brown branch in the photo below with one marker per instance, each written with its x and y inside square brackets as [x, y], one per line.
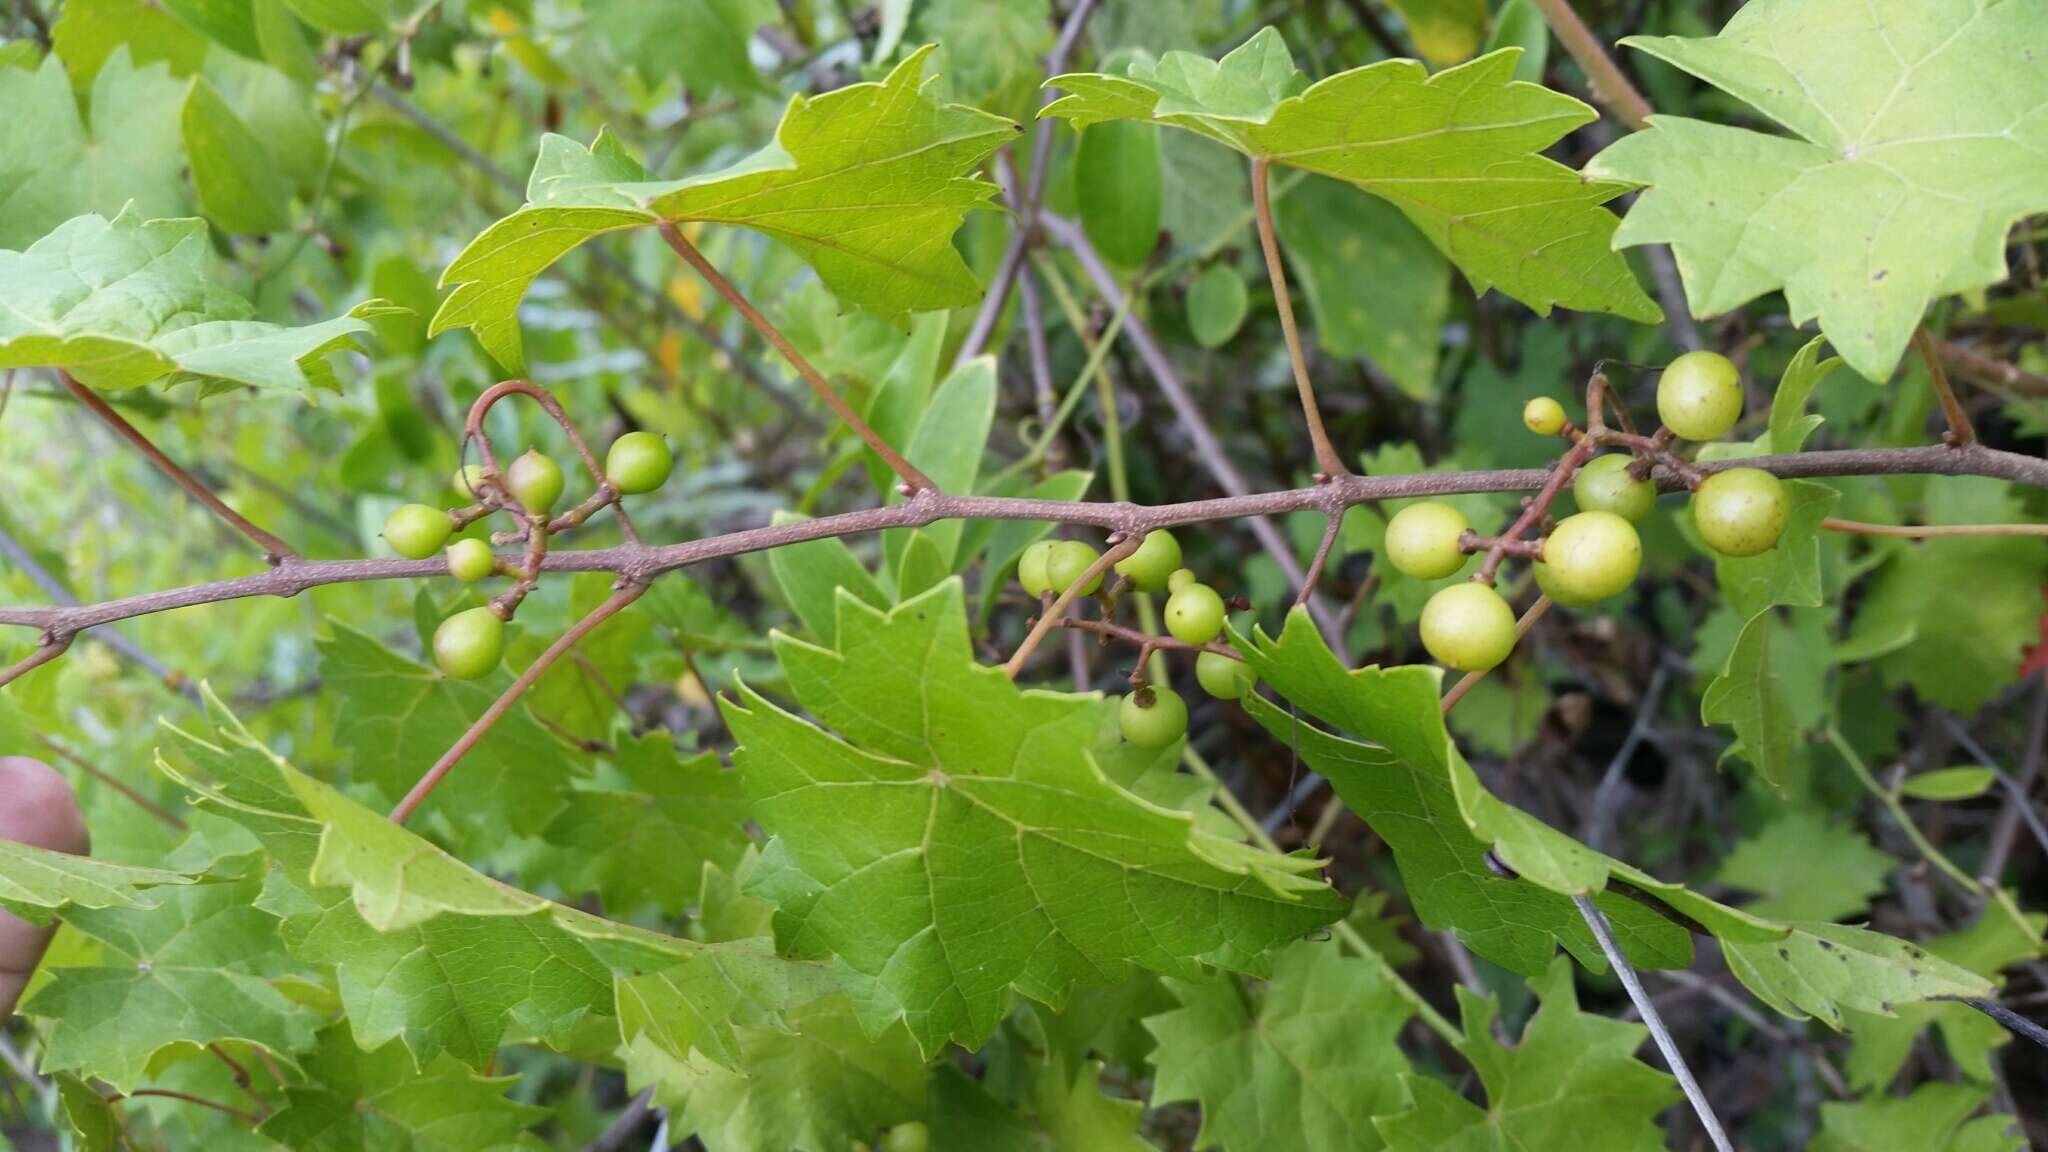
[913, 480]
[1331, 529]
[41, 577]
[1561, 474]
[1960, 431]
[1328, 463]
[1987, 370]
[644, 562]
[163, 815]
[51, 648]
[1610, 85]
[1145, 641]
[275, 551]
[249, 1118]
[1189, 414]
[1051, 616]
[628, 591]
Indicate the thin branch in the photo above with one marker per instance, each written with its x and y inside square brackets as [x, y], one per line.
[1328, 463]
[644, 562]
[249, 1118]
[1111, 630]
[275, 551]
[626, 1126]
[1601, 811]
[163, 815]
[626, 594]
[1904, 819]
[1928, 531]
[1989, 371]
[51, 648]
[1207, 448]
[1673, 1059]
[1470, 680]
[1611, 86]
[1051, 616]
[2008, 829]
[1961, 432]
[1331, 530]
[913, 480]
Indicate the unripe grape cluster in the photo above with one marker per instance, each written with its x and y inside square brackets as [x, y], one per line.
[1152, 715]
[470, 644]
[1594, 554]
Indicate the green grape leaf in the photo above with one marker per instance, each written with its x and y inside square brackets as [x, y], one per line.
[1935, 1118]
[398, 717]
[816, 1082]
[989, 52]
[1307, 1066]
[955, 843]
[193, 971]
[1411, 802]
[53, 167]
[1059, 1112]
[1880, 1045]
[1117, 189]
[684, 813]
[1459, 153]
[865, 183]
[1412, 782]
[1916, 142]
[1748, 696]
[124, 303]
[1963, 648]
[1805, 867]
[1573, 1081]
[37, 884]
[1376, 286]
[701, 42]
[424, 948]
[814, 574]
[1217, 304]
[357, 1099]
[91, 1117]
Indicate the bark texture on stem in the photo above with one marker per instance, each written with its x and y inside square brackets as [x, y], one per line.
[644, 562]
[1611, 86]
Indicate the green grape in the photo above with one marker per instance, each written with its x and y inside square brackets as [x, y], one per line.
[1699, 396]
[1543, 416]
[1153, 563]
[1605, 485]
[1468, 626]
[1589, 557]
[1422, 540]
[1741, 511]
[1031, 568]
[417, 531]
[469, 481]
[911, 1136]
[535, 481]
[1181, 578]
[469, 644]
[1152, 717]
[1223, 677]
[1067, 562]
[470, 560]
[1195, 614]
[638, 462]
